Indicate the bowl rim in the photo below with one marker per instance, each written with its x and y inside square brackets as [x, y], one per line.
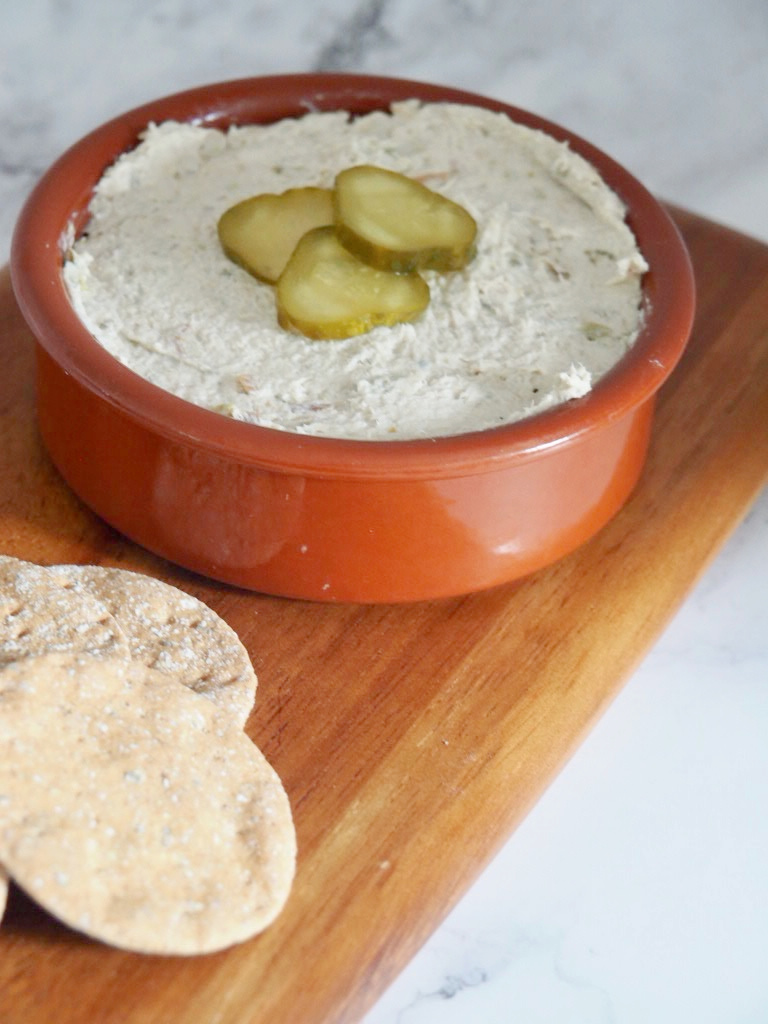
[59, 201]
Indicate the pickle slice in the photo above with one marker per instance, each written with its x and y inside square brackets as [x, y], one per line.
[326, 292]
[260, 233]
[397, 223]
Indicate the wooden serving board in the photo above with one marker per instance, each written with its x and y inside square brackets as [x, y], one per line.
[411, 739]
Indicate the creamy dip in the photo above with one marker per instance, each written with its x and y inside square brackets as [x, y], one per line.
[551, 301]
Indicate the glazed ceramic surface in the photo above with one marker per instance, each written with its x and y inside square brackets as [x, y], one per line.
[327, 519]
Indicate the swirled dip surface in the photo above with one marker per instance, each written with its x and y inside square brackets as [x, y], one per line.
[550, 302]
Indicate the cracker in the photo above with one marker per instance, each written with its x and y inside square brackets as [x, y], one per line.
[174, 633]
[43, 609]
[127, 813]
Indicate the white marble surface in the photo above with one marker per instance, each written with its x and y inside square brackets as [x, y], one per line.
[637, 889]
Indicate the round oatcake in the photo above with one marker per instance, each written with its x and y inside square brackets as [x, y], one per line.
[127, 812]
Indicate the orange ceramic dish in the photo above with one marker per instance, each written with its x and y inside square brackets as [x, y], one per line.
[318, 518]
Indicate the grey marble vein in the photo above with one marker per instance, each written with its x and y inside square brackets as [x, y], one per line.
[355, 37]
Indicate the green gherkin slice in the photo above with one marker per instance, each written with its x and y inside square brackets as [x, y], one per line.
[261, 232]
[397, 223]
[326, 292]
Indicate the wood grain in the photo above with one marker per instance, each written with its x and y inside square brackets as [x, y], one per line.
[411, 739]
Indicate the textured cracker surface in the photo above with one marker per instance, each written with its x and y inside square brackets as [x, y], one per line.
[127, 812]
[173, 632]
[116, 612]
[44, 609]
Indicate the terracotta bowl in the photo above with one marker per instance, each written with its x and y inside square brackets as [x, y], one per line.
[334, 520]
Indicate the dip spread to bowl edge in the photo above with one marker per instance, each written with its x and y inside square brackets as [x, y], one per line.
[325, 518]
